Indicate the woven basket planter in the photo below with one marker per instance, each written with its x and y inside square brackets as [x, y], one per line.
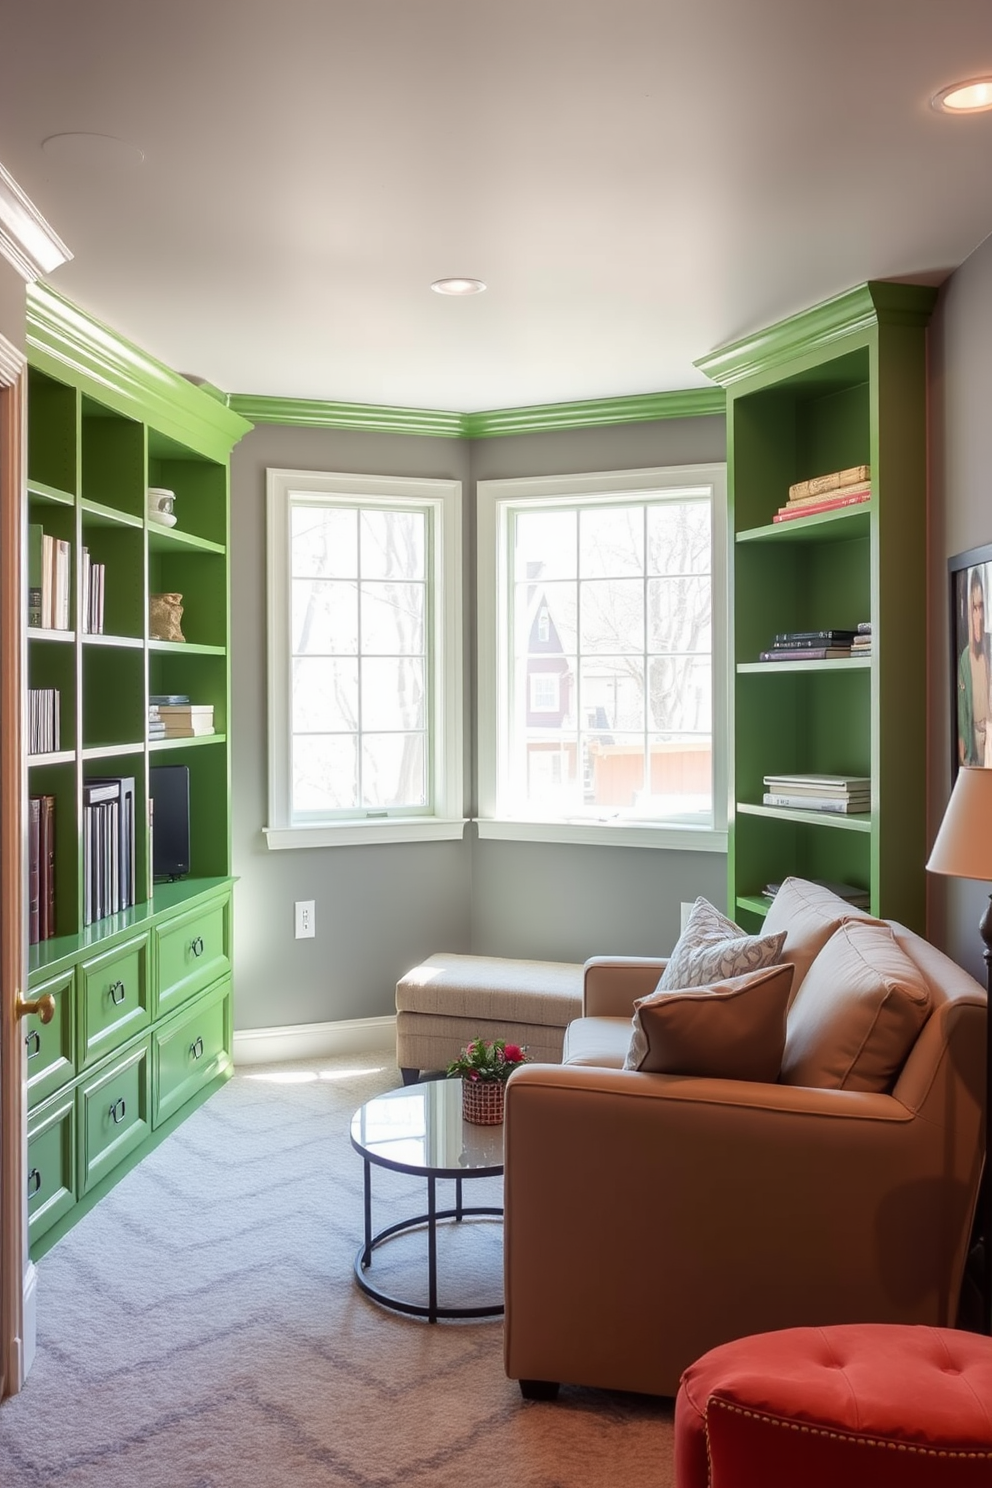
[482, 1101]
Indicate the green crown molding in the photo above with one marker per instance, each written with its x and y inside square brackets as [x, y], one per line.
[313, 413]
[594, 413]
[62, 338]
[813, 331]
[538, 419]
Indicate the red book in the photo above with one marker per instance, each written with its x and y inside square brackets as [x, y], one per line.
[789, 514]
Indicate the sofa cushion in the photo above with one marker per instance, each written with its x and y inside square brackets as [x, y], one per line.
[731, 1030]
[857, 1014]
[711, 947]
[601, 1042]
[809, 914]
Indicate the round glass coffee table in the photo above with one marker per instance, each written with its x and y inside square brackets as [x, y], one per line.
[419, 1129]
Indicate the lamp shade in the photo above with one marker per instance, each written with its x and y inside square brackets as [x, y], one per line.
[963, 848]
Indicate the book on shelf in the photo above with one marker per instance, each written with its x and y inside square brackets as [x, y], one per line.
[849, 892]
[93, 585]
[820, 785]
[805, 653]
[34, 870]
[166, 699]
[186, 731]
[36, 537]
[186, 720]
[830, 482]
[108, 846]
[817, 637]
[800, 801]
[828, 503]
[802, 643]
[856, 488]
[44, 724]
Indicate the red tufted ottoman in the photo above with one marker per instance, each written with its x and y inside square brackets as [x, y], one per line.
[860, 1405]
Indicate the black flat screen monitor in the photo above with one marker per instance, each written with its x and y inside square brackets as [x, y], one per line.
[169, 789]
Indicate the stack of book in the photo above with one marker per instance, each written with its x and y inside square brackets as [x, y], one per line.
[92, 582]
[49, 564]
[848, 892]
[108, 846]
[43, 720]
[861, 645]
[41, 868]
[809, 645]
[847, 794]
[827, 493]
[186, 720]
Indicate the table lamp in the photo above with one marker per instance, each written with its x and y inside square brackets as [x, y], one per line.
[963, 849]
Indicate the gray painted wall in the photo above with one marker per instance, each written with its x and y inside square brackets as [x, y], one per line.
[960, 435]
[380, 910]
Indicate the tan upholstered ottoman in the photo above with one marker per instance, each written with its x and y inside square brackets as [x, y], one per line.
[448, 1000]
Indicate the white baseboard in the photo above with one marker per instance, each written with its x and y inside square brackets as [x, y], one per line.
[314, 1040]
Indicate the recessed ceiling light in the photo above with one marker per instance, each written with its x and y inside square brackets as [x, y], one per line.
[458, 286]
[973, 97]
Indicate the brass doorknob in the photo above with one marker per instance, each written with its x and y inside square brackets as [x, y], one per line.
[43, 1006]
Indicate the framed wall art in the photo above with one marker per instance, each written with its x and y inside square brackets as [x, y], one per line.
[970, 576]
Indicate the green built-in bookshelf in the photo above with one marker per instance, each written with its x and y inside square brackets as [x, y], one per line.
[843, 384]
[142, 1023]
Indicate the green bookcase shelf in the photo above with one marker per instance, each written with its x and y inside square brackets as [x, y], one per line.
[838, 386]
[105, 422]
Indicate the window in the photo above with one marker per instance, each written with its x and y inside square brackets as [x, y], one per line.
[364, 611]
[602, 657]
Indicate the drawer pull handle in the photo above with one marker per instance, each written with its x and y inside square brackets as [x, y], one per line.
[32, 1042]
[117, 993]
[196, 1047]
[34, 1182]
[196, 946]
[117, 1111]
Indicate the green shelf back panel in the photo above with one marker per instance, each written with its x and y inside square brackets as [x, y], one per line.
[767, 850]
[203, 679]
[201, 579]
[53, 664]
[113, 459]
[822, 723]
[60, 781]
[209, 804]
[52, 445]
[122, 551]
[113, 696]
[789, 586]
[200, 488]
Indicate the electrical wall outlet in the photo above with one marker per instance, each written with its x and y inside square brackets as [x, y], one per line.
[306, 927]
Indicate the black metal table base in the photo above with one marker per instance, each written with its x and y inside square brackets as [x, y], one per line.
[363, 1259]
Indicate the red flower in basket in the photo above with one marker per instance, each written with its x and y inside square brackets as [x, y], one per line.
[484, 1068]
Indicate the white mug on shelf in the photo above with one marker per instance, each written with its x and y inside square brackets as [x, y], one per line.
[160, 502]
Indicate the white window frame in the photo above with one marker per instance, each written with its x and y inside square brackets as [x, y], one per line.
[494, 499]
[554, 705]
[443, 499]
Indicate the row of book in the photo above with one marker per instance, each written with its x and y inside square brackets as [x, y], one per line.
[93, 579]
[49, 580]
[174, 716]
[44, 727]
[840, 488]
[848, 795]
[819, 645]
[41, 868]
[108, 846]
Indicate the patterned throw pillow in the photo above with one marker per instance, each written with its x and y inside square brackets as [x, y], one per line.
[711, 948]
[732, 1030]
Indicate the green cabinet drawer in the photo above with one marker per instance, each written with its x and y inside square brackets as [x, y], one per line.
[192, 951]
[113, 1114]
[190, 1050]
[51, 1178]
[114, 1001]
[51, 1047]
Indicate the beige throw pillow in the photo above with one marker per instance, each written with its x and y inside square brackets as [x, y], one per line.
[711, 948]
[732, 1030]
[809, 914]
[857, 1014]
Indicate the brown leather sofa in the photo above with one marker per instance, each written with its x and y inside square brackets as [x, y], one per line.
[650, 1217]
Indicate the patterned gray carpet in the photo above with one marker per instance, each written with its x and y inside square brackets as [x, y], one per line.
[201, 1328]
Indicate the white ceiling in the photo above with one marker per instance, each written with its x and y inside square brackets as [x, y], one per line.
[638, 182]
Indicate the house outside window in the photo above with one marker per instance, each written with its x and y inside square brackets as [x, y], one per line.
[630, 570]
[365, 703]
